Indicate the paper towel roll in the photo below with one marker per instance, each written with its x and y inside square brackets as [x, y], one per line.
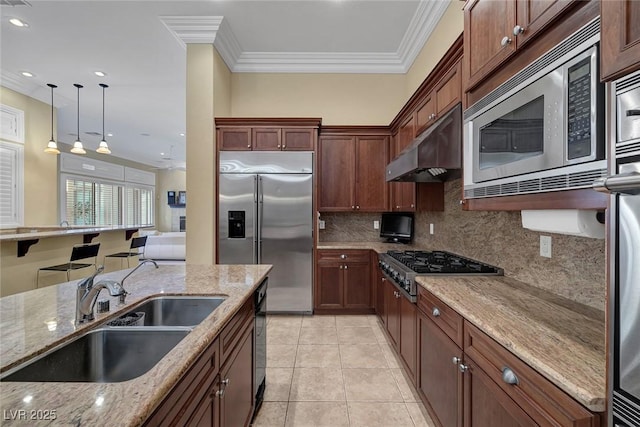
[574, 222]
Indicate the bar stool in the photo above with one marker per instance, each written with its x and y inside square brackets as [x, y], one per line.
[134, 250]
[78, 252]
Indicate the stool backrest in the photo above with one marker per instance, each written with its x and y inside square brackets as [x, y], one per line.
[84, 251]
[138, 242]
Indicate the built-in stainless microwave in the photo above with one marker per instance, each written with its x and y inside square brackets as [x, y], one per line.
[543, 130]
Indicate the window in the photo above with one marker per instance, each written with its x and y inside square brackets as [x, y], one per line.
[92, 203]
[11, 185]
[139, 202]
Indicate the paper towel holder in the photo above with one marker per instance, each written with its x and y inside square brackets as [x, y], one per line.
[573, 222]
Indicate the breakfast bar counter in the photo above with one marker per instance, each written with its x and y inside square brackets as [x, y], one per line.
[35, 321]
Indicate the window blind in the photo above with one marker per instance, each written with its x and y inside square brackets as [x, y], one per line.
[92, 203]
[10, 184]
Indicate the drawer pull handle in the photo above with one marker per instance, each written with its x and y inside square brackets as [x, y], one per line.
[463, 368]
[456, 360]
[436, 312]
[633, 113]
[509, 377]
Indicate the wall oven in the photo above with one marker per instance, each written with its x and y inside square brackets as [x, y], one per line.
[543, 129]
[624, 250]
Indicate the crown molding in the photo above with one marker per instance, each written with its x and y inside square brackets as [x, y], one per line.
[16, 82]
[193, 29]
[217, 31]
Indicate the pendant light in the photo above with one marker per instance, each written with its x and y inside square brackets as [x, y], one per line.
[52, 146]
[103, 148]
[77, 145]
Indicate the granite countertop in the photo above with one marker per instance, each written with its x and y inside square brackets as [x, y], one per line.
[562, 340]
[35, 321]
[29, 233]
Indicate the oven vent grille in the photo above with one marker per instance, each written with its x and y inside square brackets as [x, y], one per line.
[625, 83]
[557, 53]
[628, 149]
[625, 411]
[570, 181]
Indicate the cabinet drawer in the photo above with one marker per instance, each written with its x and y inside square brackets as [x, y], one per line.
[545, 403]
[442, 315]
[346, 255]
[234, 329]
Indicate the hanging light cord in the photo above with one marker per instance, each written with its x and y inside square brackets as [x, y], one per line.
[103, 88]
[78, 86]
[52, 86]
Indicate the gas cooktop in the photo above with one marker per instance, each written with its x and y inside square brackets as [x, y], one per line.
[423, 262]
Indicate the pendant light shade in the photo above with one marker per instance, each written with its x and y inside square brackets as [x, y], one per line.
[77, 145]
[103, 148]
[52, 146]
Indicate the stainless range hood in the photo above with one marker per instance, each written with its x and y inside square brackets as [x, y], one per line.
[434, 156]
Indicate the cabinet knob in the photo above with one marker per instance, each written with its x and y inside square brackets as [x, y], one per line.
[353, 207]
[509, 377]
[278, 145]
[517, 30]
[343, 256]
[456, 360]
[346, 267]
[397, 207]
[412, 205]
[357, 207]
[435, 312]
[341, 267]
[248, 145]
[461, 201]
[284, 146]
[505, 41]
[463, 368]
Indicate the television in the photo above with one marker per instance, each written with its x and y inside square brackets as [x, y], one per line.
[397, 227]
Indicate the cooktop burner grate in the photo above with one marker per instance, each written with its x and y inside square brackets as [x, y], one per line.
[423, 262]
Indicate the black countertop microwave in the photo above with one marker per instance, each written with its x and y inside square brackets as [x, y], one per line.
[543, 129]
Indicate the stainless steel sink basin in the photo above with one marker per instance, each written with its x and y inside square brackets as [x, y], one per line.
[177, 310]
[103, 355]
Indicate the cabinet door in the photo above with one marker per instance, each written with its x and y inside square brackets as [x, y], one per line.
[357, 285]
[408, 335]
[448, 92]
[439, 379]
[620, 37]
[486, 404]
[486, 24]
[266, 139]
[207, 414]
[372, 156]
[329, 286]
[236, 402]
[298, 139]
[425, 113]
[392, 309]
[379, 302]
[404, 193]
[534, 15]
[337, 174]
[234, 138]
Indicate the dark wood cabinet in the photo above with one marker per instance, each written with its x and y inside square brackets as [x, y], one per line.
[392, 312]
[408, 337]
[379, 286]
[439, 380]
[620, 38]
[267, 134]
[352, 172]
[236, 384]
[495, 29]
[403, 194]
[343, 282]
[446, 94]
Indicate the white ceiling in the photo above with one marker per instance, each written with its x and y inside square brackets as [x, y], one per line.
[141, 47]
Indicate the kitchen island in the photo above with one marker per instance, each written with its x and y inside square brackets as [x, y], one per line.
[35, 321]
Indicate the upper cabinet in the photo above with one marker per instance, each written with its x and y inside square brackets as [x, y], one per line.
[351, 170]
[620, 38]
[246, 134]
[446, 94]
[496, 29]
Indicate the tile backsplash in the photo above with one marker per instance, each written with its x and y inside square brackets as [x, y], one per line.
[575, 271]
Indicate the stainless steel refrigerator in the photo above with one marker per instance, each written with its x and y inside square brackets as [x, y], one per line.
[266, 217]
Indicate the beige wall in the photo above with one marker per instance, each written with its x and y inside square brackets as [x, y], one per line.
[449, 28]
[40, 168]
[168, 180]
[339, 99]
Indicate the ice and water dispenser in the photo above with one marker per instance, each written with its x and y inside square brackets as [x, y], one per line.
[236, 224]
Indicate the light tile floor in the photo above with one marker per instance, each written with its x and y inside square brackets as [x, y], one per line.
[335, 371]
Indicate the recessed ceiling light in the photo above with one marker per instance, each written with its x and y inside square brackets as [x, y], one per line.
[26, 74]
[109, 134]
[100, 73]
[18, 23]
[162, 154]
[182, 134]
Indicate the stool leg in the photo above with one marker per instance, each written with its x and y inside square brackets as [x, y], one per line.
[38, 279]
[68, 278]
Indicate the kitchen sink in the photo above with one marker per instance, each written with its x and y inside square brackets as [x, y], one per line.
[103, 355]
[174, 310]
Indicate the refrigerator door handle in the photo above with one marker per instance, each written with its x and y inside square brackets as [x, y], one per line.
[622, 183]
[259, 218]
[256, 233]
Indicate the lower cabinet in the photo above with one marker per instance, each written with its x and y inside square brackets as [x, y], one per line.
[343, 282]
[218, 388]
[401, 326]
[392, 312]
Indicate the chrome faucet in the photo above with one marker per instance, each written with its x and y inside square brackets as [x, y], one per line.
[87, 295]
[64, 223]
[124, 293]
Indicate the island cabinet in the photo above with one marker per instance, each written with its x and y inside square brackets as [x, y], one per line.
[218, 388]
[343, 282]
[619, 38]
[495, 29]
[267, 134]
[465, 378]
[352, 171]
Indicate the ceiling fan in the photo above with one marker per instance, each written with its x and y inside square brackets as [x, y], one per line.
[167, 162]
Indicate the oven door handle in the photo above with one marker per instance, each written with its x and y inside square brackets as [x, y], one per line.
[628, 183]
